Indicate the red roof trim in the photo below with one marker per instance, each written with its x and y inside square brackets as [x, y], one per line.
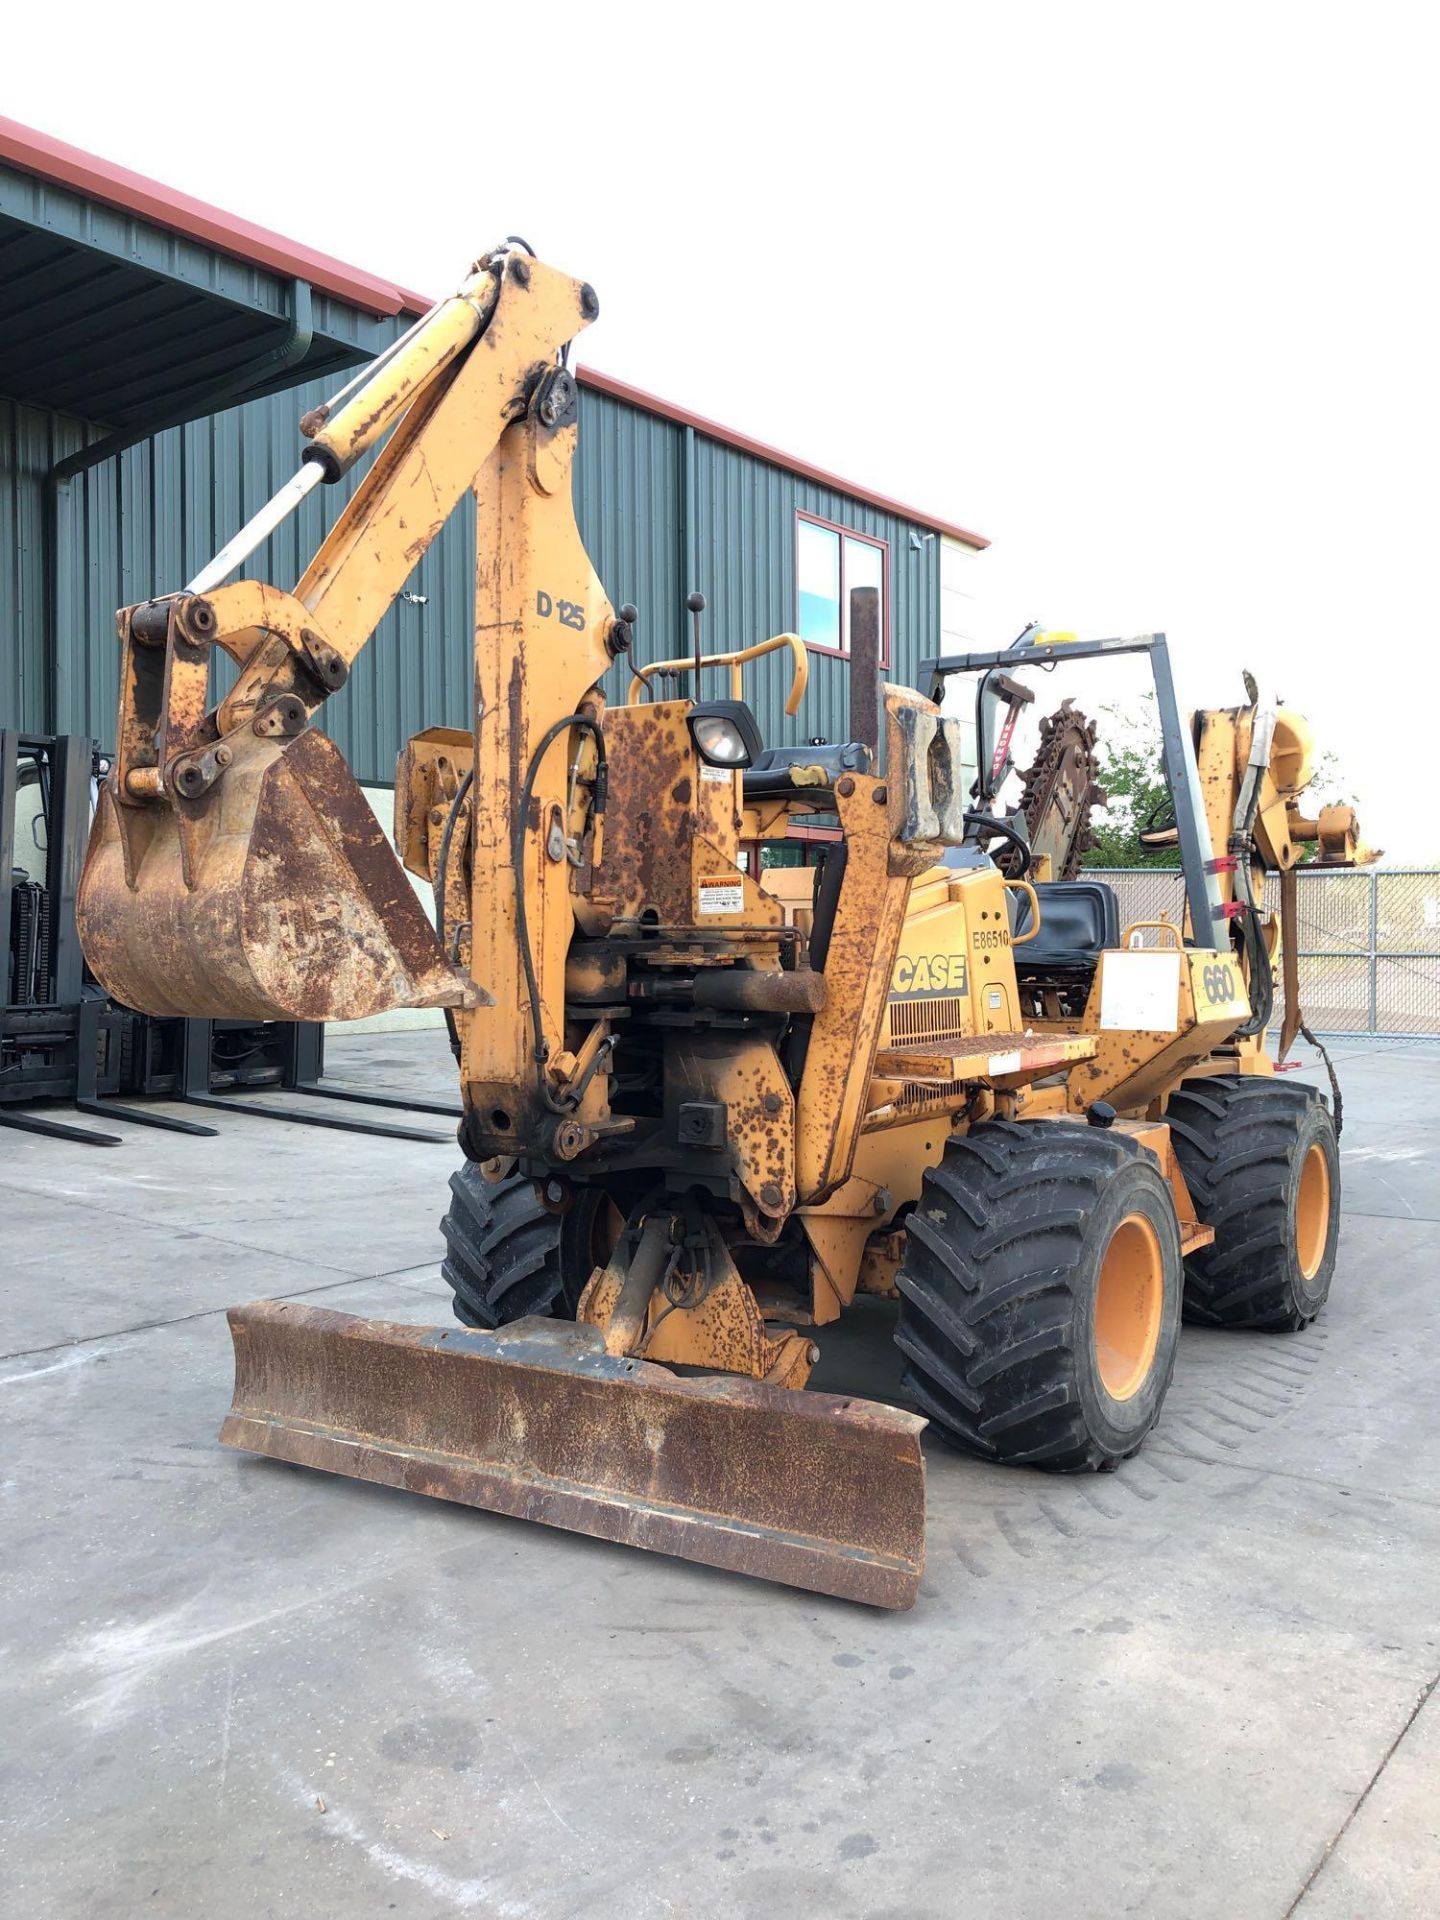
[636, 397]
[83, 172]
[51, 159]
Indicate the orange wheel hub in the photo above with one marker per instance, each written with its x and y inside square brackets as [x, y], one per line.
[1312, 1211]
[1129, 1302]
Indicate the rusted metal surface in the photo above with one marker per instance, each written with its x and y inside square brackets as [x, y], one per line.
[999, 1059]
[686, 1310]
[1289, 959]
[236, 868]
[858, 961]
[541, 621]
[464, 406]
[745, 990]
[744, 1074]
[540, 1422]
[924, 763]
[867, 650]
[673, 830]
[650, 831]
[1133, 1066]
[1336, 832]
[187, 677]
[618, 1298]
[142, 634]
[273, 639]
[1224, 741]
[275, 897]
[750, 1080]
[427, 780]
[1057, 798]
[837, 1245]
[880, 1263]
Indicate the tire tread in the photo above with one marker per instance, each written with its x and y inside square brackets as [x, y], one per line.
[503, 1251]
[1235, 1137]
[994, 1250]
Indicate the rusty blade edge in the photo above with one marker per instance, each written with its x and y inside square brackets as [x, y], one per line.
[258, 1432]
[558, 1346]
[363, 1399]
[844, 1571]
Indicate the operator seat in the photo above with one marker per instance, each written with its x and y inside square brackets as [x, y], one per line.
[769, 777]
[1078, 919]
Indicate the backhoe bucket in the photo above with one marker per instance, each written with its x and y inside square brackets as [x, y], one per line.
[276, 896]
[539, 1421]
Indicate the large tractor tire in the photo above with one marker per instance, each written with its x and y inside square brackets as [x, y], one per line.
[1262, 1163]
[1040, 1294]
[506, 1257]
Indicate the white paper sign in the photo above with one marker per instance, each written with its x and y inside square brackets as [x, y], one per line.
[721, 896]
[1140, 990]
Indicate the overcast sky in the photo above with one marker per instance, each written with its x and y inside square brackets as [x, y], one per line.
[1145, 293]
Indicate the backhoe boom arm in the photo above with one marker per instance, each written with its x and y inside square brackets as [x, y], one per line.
[236, 867]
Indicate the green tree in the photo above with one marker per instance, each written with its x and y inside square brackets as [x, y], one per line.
[1129, 770]
[1329, 786]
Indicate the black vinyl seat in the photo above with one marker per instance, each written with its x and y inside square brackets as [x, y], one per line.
[769, 777]
[1078, 918]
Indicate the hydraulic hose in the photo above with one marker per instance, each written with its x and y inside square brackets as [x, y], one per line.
[1257, 960]
[442, 869]
[517, 860]
[1262, 984]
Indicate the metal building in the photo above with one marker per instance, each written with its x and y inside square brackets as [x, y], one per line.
[155, 356]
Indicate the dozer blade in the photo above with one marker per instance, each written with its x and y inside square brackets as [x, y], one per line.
[540, 1422]
[275, 897]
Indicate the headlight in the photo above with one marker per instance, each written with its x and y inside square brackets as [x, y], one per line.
[724, 733]
[719, 741]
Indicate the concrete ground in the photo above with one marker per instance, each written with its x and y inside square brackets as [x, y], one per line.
[1203, 1685]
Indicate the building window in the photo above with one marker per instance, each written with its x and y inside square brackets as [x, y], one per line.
[841, 589]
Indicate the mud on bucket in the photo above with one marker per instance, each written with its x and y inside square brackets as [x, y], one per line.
[275, 896]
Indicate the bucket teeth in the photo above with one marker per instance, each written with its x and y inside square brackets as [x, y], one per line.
[540, 1422]
[276, 897]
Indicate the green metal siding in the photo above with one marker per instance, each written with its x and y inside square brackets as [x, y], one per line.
[734, 517]
[148, 519]
[629, 503]
[107, 317]
[30, 443]
[111, 238]
[745, 518]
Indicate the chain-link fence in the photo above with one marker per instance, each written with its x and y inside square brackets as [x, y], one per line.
[1369, 941]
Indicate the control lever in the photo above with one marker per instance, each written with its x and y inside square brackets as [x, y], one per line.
[695, 604]
[997, 688]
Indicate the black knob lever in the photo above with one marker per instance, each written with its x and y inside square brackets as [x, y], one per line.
[695, 604]
[617, 641]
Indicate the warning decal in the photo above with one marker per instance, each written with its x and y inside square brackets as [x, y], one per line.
[721, 896]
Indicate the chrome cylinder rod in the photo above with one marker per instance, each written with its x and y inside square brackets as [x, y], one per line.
[255, 531]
